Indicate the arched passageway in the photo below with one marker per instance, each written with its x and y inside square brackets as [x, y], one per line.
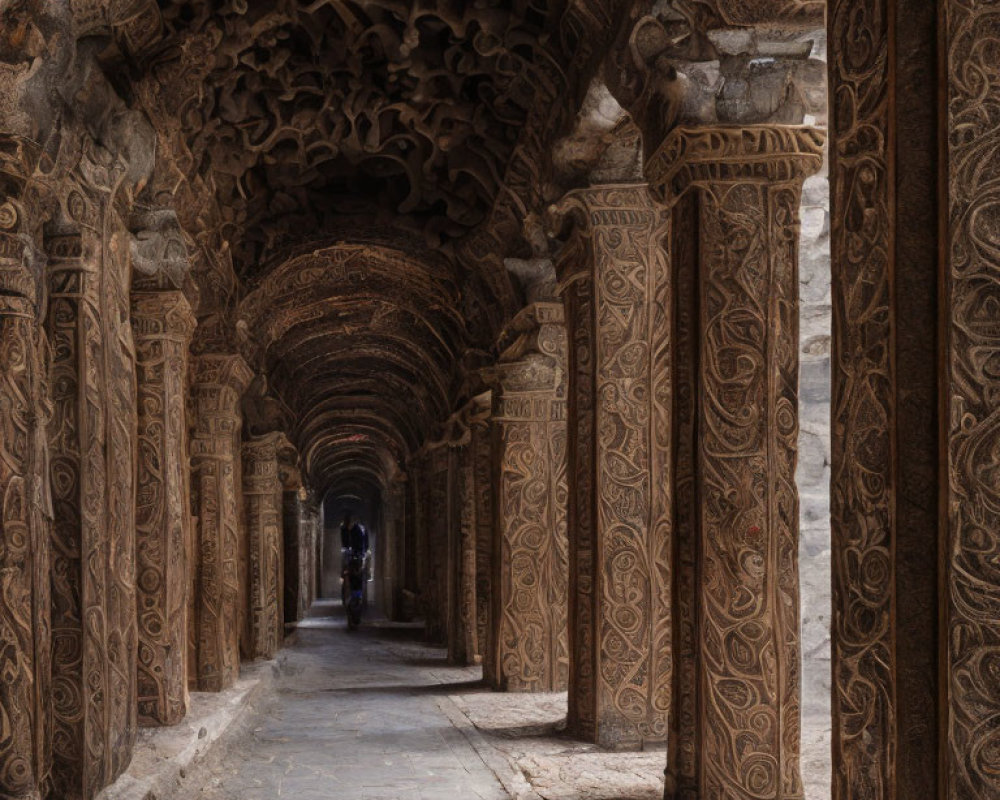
[540, 290]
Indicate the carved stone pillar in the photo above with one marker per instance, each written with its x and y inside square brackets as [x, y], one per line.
[162, 325]
[914, 496]
[295, 555]
[92, 468]
[262, 495]
[218, 381]
[462, 641]
[482, 489]
[312, 537]
[529, 449]
[25, 520]
[435, 518]
[616, 280]
[748, 183]
[393, 548]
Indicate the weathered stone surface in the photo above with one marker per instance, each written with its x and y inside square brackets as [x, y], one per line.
[528, 422]
[618, 304]
[263, 518]
[217, 384]
[162, 324]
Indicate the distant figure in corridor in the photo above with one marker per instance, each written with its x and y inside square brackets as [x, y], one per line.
[353, 536]
[354, 548]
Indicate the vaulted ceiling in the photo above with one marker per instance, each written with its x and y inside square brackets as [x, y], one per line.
[370, 163]
[313, 111]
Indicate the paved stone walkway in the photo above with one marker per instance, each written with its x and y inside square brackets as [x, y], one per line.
[353, 715]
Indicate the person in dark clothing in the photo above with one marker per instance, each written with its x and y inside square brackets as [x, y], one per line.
[354, 551]
[353, 536]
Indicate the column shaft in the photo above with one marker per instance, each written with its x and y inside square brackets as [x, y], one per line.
[463, 644]
[972, 390]
[92, 468]
[217, 384]
[162, 324]
[25, 525]
[262, 495]
[296, 558]
[483, 498]
[529, 448]
[617, 294]
[748, 182]
[886, 380]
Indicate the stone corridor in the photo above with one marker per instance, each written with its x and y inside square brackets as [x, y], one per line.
[655, 342]
[381, 715]
[351, 716]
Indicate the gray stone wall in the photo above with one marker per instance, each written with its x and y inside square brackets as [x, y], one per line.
[813, 476]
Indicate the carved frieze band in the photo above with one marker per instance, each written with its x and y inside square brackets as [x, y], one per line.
[755, 153]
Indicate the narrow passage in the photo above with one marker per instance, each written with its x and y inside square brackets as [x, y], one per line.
[352, 715]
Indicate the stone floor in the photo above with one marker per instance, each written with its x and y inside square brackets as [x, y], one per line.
[379, 714]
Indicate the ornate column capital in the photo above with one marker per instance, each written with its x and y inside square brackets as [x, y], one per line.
[733, 154]
[532, 350]
[229, 370]
[260, 462]
[584, 217]
[162, 315]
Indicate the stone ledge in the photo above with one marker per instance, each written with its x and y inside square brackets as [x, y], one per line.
[163, 755]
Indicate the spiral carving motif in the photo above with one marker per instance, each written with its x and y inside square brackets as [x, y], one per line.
[529, 445]
[94, 619]
[162, 323]
[618, 304]
[217, 384]
[25, 701]
[972, 544]
[749, 586]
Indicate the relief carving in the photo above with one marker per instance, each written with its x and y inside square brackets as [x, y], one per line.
[162, 324]
[748, 184]
[25, 502]
[217, 384]
[262, 496]
[972, 278]
[616, 281]
[528, 425]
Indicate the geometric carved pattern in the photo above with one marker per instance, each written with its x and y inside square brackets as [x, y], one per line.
[972, 541]
[262, 494]
[217, 385]
[617, 297]
[162, 323]
[529, 448]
